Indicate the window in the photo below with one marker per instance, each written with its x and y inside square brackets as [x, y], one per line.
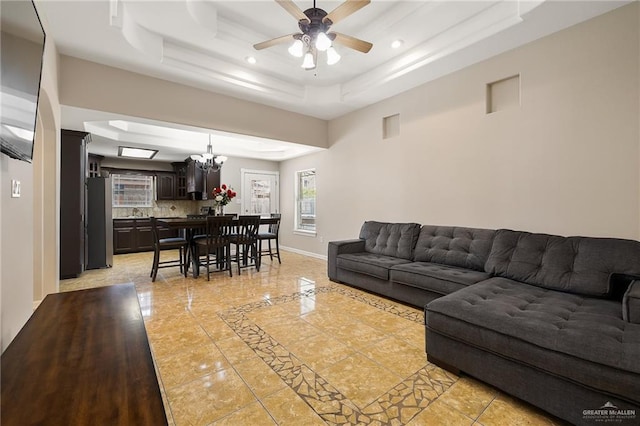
[306, 201]
[132, 190]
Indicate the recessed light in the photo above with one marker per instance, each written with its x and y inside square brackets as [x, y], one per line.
[251, 60]
[124, 151]
[397, 43]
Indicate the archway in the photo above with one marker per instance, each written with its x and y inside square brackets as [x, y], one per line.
[45, 203]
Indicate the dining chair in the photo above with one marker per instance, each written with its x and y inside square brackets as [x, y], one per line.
[162, 244]
[215, 247]
[245, 240]
[270, 235]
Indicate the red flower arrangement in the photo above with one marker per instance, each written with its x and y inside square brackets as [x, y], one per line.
[223, 195]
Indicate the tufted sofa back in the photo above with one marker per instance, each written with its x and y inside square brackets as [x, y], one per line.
[390, 239]
[580, 265]
[454, 246]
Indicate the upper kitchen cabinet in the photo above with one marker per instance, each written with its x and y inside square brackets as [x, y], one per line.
[93, 165]
[212, 180]
[195, 179]
[180, 170]
[200, 183]
[166, 186]
[73, 172]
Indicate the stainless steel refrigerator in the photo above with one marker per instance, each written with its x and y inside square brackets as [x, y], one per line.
[99, 223]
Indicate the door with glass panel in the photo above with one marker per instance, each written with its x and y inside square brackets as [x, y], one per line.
[260, 192]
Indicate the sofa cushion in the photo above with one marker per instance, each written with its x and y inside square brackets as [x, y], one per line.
[434, 277]
[375, 265]
[573, 336]
[455, 246]
[631, 303]
[578, 265]
[335, 248]
[390, 239]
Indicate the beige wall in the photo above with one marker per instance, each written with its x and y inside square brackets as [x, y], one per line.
[17, 247]
[566, 161]
[29, 224]
[90, 85]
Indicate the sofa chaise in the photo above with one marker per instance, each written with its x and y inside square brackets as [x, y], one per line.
[552, 320]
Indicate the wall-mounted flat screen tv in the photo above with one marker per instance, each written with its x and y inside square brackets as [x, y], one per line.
[21, 53]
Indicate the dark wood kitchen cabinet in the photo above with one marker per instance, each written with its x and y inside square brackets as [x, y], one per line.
[166, 186]
[73, 171]
[93, 165]
[123, 236]
[180, 170]
[195, 178]
[200, 183]
[187, 182]
[212, 180]
[144, 235]
[135, 235]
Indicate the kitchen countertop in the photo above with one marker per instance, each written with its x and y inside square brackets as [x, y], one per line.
[143, 217]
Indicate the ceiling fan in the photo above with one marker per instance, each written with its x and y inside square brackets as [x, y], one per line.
[314, 24]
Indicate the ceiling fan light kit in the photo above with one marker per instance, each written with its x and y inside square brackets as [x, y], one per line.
[314, 24]
[332, 56]
[308, 63]
[322, 42]
[297, 49]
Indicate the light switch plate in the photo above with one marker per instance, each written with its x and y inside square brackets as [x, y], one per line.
[15, 188]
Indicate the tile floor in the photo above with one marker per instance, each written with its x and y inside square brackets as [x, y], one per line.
[286, 346]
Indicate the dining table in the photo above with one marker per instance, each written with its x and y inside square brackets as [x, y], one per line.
[198, 223]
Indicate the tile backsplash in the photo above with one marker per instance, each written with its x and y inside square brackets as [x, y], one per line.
[174, 208]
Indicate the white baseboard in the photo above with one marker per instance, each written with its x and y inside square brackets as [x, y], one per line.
[305, 253]
[36, 303]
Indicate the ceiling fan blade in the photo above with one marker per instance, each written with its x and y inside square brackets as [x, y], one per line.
[351, 42]
[344, 10]
[274, 41]
[293, 9]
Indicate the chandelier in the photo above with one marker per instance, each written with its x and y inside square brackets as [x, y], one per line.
[207, 161]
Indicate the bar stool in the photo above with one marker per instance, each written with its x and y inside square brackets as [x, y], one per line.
[246, 241]
[270, 235]
[215, 246]
[160, 244]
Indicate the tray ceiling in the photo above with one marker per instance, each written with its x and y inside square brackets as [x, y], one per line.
[206, 44]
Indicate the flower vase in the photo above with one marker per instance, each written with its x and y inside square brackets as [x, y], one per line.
[219, 210]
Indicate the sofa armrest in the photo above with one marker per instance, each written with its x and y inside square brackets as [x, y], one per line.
[341, 247]
[631, 303]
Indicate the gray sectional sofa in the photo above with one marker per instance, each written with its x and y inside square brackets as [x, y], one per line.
[552, 320]
[411, 263]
